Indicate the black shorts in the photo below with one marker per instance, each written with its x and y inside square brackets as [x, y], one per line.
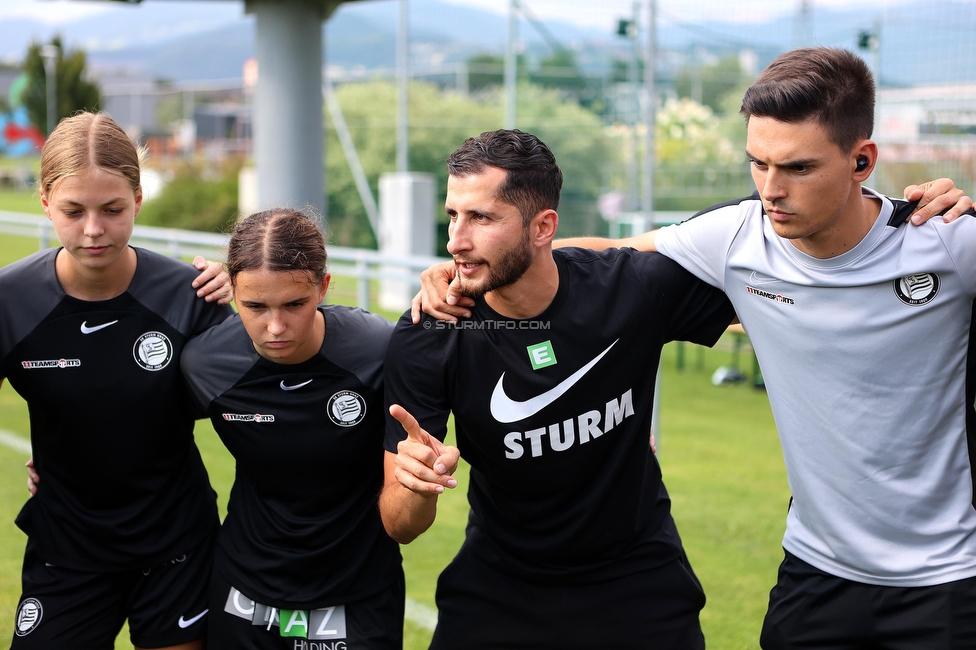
[237, 623]
[814, 610]
[483, 608]
[165, 604]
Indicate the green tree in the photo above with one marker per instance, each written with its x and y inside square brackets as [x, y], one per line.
[74, 91]
[712, 81]
[196, 199]
[484, 71]
[487, 71]
[688, 132]
[620, 69]
[169, 109]
[700, 159]
[583, 147]
[559, 70]
[14, 71]
[731, 124]
[439, 122]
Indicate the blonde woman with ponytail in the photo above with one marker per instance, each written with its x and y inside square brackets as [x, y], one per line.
[122, 525]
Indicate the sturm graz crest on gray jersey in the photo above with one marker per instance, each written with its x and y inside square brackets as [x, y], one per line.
[917, 289]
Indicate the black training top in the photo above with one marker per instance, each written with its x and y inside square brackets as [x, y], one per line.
[302, 530]
[553, 413]
[122, 483]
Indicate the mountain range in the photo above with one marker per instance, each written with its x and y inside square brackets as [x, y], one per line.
[922, 42]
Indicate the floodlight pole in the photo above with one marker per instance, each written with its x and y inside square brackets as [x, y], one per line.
[511, 65]
[49, 52]
[630, 29]
[873, 180]
[872, 41]
[403, 88]
[647, 186]
[650, 120]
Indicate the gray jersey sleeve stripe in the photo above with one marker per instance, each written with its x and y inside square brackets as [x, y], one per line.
[32, 276]
[215, 361]
[363, 353]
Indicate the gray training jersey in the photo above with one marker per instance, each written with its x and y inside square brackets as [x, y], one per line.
[866, 360]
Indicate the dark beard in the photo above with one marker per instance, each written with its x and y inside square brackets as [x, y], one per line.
[508, 270]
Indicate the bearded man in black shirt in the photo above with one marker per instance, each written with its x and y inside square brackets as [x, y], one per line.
[570, 541]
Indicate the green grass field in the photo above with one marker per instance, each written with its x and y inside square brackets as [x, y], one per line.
[718, 449]
[19, 201]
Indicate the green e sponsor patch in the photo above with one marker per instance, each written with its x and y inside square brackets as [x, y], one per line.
[541, 355]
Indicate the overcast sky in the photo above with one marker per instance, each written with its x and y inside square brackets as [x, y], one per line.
[601, 13]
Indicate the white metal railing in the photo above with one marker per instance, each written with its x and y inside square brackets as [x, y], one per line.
[363, 264]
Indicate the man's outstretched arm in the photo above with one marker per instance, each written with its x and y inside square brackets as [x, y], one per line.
[441, 297]
[422, 469]
[938, 197]
[642, 242]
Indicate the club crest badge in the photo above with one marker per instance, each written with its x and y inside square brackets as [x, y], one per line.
[917, 289]
[346, 408]
[29, 616]
[153, 351]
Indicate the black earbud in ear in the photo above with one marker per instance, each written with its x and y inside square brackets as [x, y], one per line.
[862, 163]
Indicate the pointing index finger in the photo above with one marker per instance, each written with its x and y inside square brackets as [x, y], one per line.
[408, 422]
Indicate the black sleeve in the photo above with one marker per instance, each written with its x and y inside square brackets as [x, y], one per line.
[696, 311]
[164, 286]
[419, 373]
[192, 363]
[209, 314]
[902, 210]
[29, 291]
[358, 343]
[205, 314]
[213, 362]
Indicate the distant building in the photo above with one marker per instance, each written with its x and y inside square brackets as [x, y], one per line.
[131, 100]
[923, 122]
[212, 117]
[927, 132]
[222, 121]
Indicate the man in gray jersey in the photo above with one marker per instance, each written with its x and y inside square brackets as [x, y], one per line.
[874, 401]
[863, 327]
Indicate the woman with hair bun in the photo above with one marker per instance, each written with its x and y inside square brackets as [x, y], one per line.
[123, 523]
[295, 391]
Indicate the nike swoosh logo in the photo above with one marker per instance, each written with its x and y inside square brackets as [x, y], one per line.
[506, 410]
[295, 387]
[757, 279]
[187, 623]
[88, 330]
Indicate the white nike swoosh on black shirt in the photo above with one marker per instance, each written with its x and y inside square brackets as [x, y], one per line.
[505, 410]
[295, 387]
[88, 330]
[188, 622]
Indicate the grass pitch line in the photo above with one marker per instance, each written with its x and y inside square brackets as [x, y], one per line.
[422, 615]
[15, 442]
